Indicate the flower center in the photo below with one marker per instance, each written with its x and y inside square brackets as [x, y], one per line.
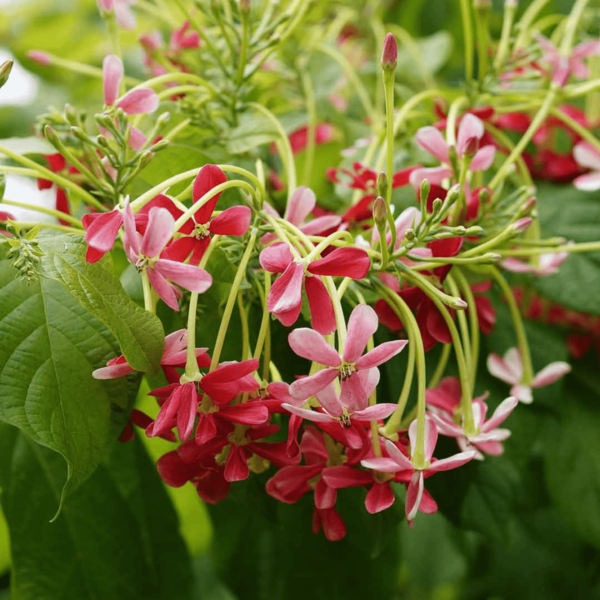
[346, 370]
[201, 231]
[345, 420]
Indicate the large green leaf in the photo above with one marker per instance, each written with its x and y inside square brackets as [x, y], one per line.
[50, 346]
[566, 211]
[572, 462]
[139, 333]
[117, 537]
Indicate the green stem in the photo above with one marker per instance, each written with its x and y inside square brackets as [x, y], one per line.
[388, 82]
[465, 13]
[483, 42]
[266, 317]
[524, 24]
[503, 45]
[441, 366]
[244, 322]
[462, 323]
[191, 365]
[311, 133]
[517, 323]
[63, 228]
[47, 211]
[148, 300]
[235, 287]
[244, 47]
[582, 247]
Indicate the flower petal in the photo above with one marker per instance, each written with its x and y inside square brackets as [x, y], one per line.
[361, 326]
[353, 395]
[380, 354]
[233, 221]
[113, 371]
[163, 288]
[250, 413]
[322, 315]
[209, 177]
[276, 257]
[588, 183]
[431, 435]
[483, 159]
[191, 278]
[309, 386]
[102, 230]
[158, 232]
[414, 494]
[342, 262]
[321, 224]
[498, 368]
[500, 414]
[432, 141]
[112, 73]
[285, 294]
[385, 465]
[309, 415]
[329, 400]
[550, 374]
[587, 156]
[311, 345]
[375, 412]
[142, 101]
[522, 393]
[379, 497]
[300, 205]
[186, 413]
[452, 462]
[470, 127]
[400, 459]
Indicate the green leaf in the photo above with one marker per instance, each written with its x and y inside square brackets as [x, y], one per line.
[572, 462]
[139, 333]
[50, 346]
[434, 52]
[117, 537]
[573, 214]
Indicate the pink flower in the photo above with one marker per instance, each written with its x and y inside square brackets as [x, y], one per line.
[470, 133]
[174, 355]
[588, 157]
[183, 38]
[548, 264]
[144, 252]
[486, 438]
[299, 138]
[136, 101]
[407, 219]
[510, 370]
[123, 13]
[199, 229]
[417, 498]
[285, 296]
[356, 385]
[300, 205]
[562, 67]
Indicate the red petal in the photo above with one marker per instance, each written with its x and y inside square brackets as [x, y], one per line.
[209, 177]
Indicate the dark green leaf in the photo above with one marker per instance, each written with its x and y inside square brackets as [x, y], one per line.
[117, 536]
[139, 333]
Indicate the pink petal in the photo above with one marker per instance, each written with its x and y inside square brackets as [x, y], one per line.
[158, 232]
[308, 386]
[250, 413]
[453, 462]
[398, 457]
[300, 205]
[522, 393]
[435, 176]
[311, 345]
[321, 224]
[432, 141]
[408, 218]
[344, 477]
[513, 361]
[380, 354]
[361, 326]
[174, 342]
[342, 262]
[375, 412]
[124, 15]
[103, 229]
[588, 183]
[587, 156]
[189, 277]
[163, 288]
[131, 239]
[414, 493]
[353, 395]
[233, 221]
[385, 465]
[431, 435]
[500, 414]
[112, 72]
[379, 497]
[329, 400]
[470, 127]
[550, 374]
[498, 368]
[585, 49]
[322, 314]
[137, 140]
[446, 427]
[186, 413]
[140, 101]
[113, 371]
[286, 293]
[484, 159]
[209, 177]
[370, 380]
[276, 258]
[515, 265]
[428, 505]
[309, 415]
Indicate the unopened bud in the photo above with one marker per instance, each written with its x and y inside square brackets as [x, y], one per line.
[490, 258]
[80, 134]
[527, 207]
[379, 210]
[5, 70]
[424, 191]
[453, 195]
[40, 57]
[471, 147]
[51, 136]
[389, 56]
[244, 7]
[521, 225]
[102, 141]
[484, 195]
[71, 115]
[410, 234]
[457, 304]
[145, 158]
[382, 184]
[437, 205]
[160, 145]
[163, 119]
[474, 230]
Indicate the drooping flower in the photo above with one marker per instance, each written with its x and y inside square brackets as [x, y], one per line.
[136, 101]
[587, 157]
[285, 296]
[122, 11]
[311, 345]
[199, 229]
[562, 67]
[417, 498]
[144, 252]
[470, 133]
[174, 355]
[548, 264]
[57, 164]
[445, 410]
[510, 370]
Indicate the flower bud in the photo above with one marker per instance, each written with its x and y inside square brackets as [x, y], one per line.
[457, 304]
[437, 205]
[160, 145]
[244, 7]
[527, 207]
[489, 258]
[471, 147]
[424, 191]
[102, 141]
[40, 57]
[5, 70]
[80, 134]
[52, 136]
[382, 184]
[410, 234]
[452, 195]
[389, 56]
[379, 210]
[521, 225]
